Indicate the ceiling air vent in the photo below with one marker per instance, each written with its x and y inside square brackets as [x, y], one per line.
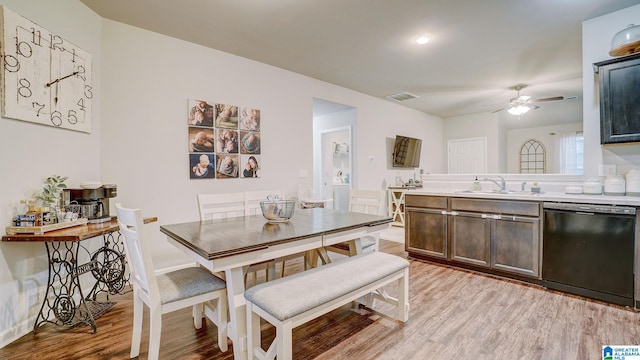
[403, 96]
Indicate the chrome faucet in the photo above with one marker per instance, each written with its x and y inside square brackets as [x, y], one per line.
[502, 184]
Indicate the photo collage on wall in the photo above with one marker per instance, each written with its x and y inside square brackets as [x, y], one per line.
[224, 141]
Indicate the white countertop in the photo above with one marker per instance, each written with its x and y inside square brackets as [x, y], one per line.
[544, 196]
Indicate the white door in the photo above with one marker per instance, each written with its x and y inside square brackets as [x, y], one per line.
[467, 156]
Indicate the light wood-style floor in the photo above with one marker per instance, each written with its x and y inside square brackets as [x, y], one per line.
[454, 315]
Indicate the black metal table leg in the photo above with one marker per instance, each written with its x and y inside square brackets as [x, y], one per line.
[110, 269]
[63, 300]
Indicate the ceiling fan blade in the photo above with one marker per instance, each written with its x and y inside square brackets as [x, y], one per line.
[555, 98]
[495, 111]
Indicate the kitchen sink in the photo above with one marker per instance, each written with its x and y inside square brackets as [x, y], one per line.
[497, 192]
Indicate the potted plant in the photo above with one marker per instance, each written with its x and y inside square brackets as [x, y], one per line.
[50, 195]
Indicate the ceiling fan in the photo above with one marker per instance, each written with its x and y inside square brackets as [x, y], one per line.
[521, 104]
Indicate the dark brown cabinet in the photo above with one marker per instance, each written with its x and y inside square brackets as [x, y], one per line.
[500, 236]
[619, 80]
[471, 239]
[426, 226]
[516, 245]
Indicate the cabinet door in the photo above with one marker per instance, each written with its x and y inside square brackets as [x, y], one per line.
[471, 238]
[516, 245]
[426, 232]
[619, 105]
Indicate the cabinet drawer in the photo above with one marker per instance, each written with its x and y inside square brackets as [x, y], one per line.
[435, 202]
[524, 208]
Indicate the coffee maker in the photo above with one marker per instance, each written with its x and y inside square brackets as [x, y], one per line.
[92, 204]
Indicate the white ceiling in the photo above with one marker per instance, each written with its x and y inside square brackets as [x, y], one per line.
[479, 48]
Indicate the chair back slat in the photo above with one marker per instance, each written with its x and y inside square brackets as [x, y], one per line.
[137, 250]
[221, 206]
[252, 200]
[367, 201]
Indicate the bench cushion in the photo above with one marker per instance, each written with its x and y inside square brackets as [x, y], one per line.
[292, 295]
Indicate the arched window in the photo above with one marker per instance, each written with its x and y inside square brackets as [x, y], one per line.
[532, 157]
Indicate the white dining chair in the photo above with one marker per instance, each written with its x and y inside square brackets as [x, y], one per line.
[307, 198]
[193, 287]
[252, 200]
[228, 205]
[221, 206]
[365, 202]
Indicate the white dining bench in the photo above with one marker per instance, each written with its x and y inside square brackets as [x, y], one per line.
[296, 299]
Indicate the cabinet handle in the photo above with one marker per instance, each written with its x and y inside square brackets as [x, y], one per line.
[491, 216]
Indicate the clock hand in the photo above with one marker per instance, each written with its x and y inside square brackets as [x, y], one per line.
[62, 78]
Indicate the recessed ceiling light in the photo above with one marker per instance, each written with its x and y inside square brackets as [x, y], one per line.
[423, 39]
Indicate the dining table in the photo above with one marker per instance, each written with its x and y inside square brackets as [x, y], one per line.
[229, 245]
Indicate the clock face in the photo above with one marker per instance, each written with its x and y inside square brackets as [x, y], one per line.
[46, 79]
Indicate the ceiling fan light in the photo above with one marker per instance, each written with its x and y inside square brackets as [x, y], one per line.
[423, 39]
[519, 109]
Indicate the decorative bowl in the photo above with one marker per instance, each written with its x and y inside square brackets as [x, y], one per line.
[90, 184]
[278, 211]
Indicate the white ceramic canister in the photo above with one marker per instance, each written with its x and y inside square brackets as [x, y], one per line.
[633, 182]
[592, 186]
[573, 189]
[614, 185]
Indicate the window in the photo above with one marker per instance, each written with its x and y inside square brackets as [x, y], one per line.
[532, 157]
[571, 153]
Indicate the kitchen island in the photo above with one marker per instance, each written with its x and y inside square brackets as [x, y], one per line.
[502, 234]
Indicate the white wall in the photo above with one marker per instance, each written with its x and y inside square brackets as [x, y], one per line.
[596, 43]
[475, 126]
[29, 153]
[142, 82]
[148, 78]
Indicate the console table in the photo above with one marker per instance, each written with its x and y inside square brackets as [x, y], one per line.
[64, 301]
[396, 204]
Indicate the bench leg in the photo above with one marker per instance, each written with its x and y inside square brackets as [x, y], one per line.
[403, 296]
[284, 338]
[253, 331]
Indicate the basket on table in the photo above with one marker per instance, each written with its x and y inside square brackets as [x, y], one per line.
[278, 211]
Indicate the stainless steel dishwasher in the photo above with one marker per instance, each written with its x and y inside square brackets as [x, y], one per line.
[588, 250]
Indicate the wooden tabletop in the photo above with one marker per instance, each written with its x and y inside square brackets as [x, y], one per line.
[76, 233]
[224, 237]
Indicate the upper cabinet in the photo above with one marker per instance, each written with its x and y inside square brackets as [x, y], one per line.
[619, 99]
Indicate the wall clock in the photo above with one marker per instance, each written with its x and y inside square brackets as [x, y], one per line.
[45, 78]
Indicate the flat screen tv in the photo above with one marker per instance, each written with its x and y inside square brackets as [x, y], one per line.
[406, 152]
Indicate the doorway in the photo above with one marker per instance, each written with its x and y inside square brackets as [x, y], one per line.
[333, 151]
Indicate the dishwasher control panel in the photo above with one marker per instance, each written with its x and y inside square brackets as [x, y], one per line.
[591, 208]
